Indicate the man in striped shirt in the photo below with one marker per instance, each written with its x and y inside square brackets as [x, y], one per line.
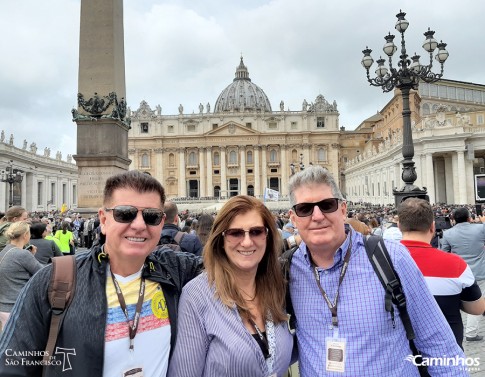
[447, 275]
[342, 326]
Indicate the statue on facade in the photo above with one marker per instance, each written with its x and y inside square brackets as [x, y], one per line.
[47, 152]
[25, 144]
[181, 109]
[2, 137]
[159, 110]
[201, 108]
[58, 155]
[304, 106]
[69, 158]
[33, 148]
[208, 107]
[282, 106]
[335, 105]
[11, 139]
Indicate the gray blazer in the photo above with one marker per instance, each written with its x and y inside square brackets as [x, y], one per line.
[468, 241]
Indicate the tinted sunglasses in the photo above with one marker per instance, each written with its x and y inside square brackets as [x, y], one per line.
[325, 206]
[126, 214]
[256, 233]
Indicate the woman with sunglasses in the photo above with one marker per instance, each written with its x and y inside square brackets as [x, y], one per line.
[231, 317]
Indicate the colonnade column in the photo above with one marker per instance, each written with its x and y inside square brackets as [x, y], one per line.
[430, 178]
[257, 172]
[397, 176]
[223, 173]
[202, 176]
[470, 192]
[159, 168]
[182, 190]
[244, 184]
[284, 171]
[461, 178]
[210, 189]
[264, 168]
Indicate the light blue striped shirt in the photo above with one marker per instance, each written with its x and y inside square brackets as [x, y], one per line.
[213, 341]
[373, 346]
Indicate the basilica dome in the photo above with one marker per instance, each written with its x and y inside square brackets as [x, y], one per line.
[242, 94]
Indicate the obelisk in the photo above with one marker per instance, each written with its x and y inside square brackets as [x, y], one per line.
[102, 122]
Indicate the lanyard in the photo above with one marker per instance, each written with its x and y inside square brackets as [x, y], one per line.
[333, 305]
[134, 327]
[263, 338]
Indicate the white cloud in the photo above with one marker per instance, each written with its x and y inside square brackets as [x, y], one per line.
[181, 51]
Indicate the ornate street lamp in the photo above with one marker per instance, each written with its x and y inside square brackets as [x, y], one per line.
[406, 76]
[11, 175]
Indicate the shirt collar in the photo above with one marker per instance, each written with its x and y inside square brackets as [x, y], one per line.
[413, 243]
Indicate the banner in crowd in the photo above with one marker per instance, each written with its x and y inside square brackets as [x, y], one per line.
[272, 195]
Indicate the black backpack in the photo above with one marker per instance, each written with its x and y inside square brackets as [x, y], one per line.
[174, 243]
[384, 269]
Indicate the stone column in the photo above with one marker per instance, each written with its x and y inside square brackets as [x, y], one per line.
[397, 174]
[264, 167]
[159, 168]
[470, 179]
[244, 173]
[461, 178]
[284, 171]
[450, 192]
[202, 175]
[430, 178]
[182, 190]
[223, 173]
[210, 172]
[257, 172]
[102, 130]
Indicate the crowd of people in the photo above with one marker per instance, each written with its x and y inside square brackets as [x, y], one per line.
[163, 292]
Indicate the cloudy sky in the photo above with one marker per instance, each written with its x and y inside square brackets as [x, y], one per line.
[186, 52]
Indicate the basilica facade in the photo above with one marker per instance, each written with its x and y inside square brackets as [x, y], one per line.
[241, 146]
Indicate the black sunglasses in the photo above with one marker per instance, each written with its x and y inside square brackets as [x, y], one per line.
[126, 214]
[237, 235]
[325, 206]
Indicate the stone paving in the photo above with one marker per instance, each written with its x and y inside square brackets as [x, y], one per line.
[476, 349]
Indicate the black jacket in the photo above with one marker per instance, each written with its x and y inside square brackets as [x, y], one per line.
[83, 328]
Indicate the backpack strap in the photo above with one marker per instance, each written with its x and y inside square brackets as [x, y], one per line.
[178, 237]
[61, 291]
[285, 261]
[384, 269]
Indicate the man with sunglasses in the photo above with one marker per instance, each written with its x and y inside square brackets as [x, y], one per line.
[342, 325]
[122, 320]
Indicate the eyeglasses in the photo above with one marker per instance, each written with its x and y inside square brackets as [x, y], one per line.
[325, 206]
[126, 214]
[256, 233]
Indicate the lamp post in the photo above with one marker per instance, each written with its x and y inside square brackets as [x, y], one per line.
[11, 175]
[406, 76]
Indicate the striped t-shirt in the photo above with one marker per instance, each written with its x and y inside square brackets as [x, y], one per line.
[152, 340]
